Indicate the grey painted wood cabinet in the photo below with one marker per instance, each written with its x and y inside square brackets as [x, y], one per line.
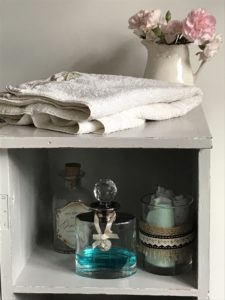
[174, 153]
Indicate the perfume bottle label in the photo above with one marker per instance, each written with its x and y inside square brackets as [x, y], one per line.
[65, 222]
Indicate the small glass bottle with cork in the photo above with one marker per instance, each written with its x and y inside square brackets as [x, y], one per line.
[68, 202]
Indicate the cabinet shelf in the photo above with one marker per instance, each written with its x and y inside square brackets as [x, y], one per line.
[173, 153]
[50, 272]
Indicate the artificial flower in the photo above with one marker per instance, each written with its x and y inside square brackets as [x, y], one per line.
[211, 48]
[199, 26]
[145, 20]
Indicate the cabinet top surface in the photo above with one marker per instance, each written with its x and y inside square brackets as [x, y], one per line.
[189, 131]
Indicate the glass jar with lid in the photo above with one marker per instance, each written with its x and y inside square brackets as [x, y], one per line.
[167, 232]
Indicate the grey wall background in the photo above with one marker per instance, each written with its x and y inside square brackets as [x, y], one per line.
[41, 37]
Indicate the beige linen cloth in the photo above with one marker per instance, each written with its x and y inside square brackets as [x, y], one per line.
[77, 103]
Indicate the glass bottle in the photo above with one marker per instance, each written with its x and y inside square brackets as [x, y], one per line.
[166, 233]
[105, 238]
[68, 202]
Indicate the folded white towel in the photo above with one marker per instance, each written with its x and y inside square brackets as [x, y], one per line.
[75, 102]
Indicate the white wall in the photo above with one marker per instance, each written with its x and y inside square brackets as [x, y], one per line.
[41, 37]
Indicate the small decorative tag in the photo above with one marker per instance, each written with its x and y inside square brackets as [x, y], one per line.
[102, 239]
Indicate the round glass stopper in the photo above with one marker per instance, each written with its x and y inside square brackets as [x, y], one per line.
[105, 191]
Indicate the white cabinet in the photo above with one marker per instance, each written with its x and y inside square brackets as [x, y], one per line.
[173, 153]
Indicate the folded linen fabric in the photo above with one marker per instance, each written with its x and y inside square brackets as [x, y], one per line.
[75, 102]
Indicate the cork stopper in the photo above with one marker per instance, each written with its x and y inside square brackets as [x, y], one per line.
[72, 169]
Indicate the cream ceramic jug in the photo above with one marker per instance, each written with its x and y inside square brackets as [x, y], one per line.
[169, 63]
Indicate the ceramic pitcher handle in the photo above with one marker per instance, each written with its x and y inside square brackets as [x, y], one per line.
[195, 75]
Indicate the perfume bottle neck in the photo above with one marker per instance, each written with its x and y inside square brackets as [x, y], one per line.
[72, 182]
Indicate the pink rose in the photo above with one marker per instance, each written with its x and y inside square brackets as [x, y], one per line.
[199, 26]
[211, 48]
[171, 30]
[145, 20]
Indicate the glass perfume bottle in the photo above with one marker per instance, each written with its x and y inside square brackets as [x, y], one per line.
[105, 238]
[68, 202]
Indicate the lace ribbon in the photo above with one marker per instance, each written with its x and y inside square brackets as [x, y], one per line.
[165, 238]
[166, 243]
[178, 256]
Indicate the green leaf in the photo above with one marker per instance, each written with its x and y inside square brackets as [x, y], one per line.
[168, 16]
[157, 31]
[202, 47]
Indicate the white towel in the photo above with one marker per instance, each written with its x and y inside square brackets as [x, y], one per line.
[75, 102]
